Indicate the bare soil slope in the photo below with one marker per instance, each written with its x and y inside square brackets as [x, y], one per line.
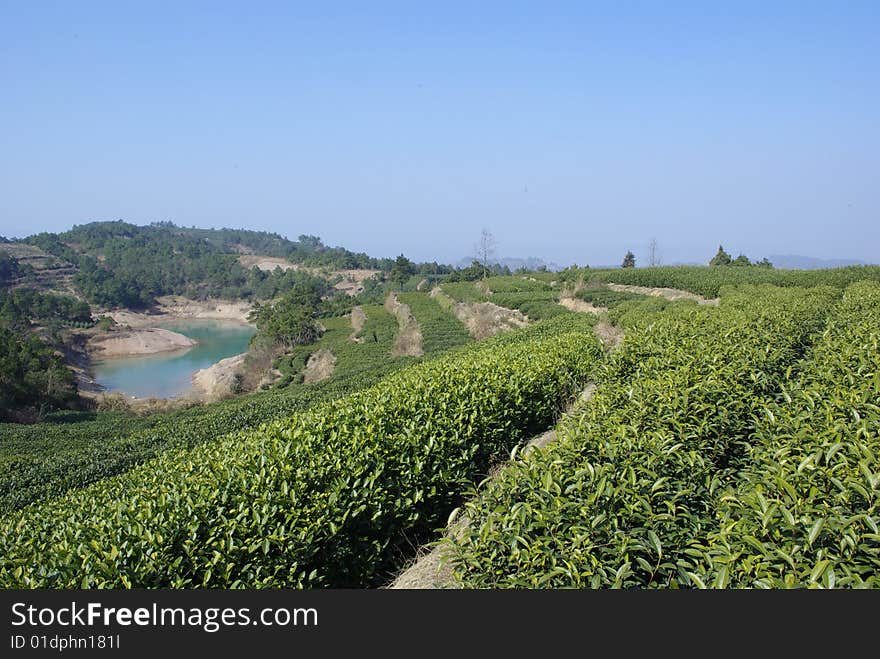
[580, 306]
[320, 366]
[358, 318]
[217, 381]
[482, 319]
[409, 335]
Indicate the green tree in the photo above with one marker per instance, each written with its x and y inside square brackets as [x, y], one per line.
[741, 260]
[473, 272]
[629, 260]
[312, 242]
[288, 323]
[721, 258]
[8, 267]
[402, 270]
[292, 321]
[33, 378]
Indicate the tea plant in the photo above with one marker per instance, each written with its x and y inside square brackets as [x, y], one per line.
[805, 509]
[327, 497]
[631, 484]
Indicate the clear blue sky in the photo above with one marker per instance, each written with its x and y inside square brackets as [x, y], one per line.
[573, 131]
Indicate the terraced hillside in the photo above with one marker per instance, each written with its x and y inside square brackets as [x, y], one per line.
[665, 480]
[45, 272]
[326, 497]
[723, 446]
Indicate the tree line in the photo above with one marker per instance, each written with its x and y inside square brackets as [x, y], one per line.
[33, 377]
[721, 258]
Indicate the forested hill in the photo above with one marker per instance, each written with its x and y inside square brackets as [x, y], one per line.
[118, 264]
[306, 250]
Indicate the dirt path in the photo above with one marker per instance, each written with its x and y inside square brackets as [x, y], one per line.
[358, 318]
[610, 335]
[580, 306]
[549, 437]
[669, 293]
[430, 568]
[409, 337]
[319, 367]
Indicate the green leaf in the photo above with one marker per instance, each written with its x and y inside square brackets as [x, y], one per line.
[819, 569]
[815, 530]
[697, 580]
[722, 578]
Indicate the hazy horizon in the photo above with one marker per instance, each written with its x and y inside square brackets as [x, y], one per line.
[573, 133]
[499, 256]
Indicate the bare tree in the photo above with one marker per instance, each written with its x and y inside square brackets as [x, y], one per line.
[486, 249]
[653, 253]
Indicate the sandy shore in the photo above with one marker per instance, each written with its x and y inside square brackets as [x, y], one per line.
[134, 342]
[171, 308]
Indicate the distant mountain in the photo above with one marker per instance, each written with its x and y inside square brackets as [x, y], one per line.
[797, 262]
[529, 263]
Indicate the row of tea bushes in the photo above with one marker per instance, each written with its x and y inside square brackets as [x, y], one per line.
[49, 459]
[806, 508]
[328, 497]
[600, 296]
[630, 486]
[708, 281]
[440, 328]
[519, 284]
[464, 291]
[536, 305]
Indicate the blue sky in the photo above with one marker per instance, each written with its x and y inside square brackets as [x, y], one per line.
[572, 130]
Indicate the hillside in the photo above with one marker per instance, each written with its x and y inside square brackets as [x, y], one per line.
[116, 264]
[29, 265]
[387, 410]
[138, 276]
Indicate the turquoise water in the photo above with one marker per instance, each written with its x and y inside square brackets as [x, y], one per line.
[165, 375]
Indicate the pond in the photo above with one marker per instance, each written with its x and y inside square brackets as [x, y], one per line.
[168, 374]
